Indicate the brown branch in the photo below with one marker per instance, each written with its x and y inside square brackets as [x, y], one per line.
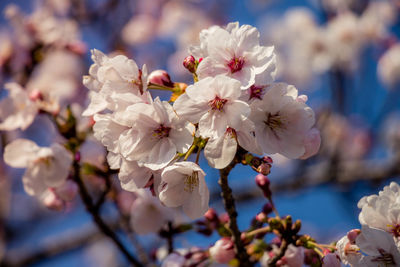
[103, 227]
[229, 203]
[282, 250]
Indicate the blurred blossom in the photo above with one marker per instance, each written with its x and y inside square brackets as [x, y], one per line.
[147, 213]
[294, 257]
[389, 66]
[102, 253]
[139, 30]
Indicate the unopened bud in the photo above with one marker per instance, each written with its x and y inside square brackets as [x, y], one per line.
[224, 218]
[296, 226]
[267, 208]
[78, 156]
[211, 215]
[160, 77]
[261, 217]
[190, 63]
[263, 182]
[275, 224]
[352, 235]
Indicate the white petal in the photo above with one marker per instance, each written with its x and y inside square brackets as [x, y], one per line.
[219, 152]
[20, 152]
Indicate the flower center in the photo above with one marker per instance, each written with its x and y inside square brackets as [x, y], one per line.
[395, 230]
[217, 103]
[385, 257]
[191, 182]
[274, 121]
[236, 64]
[161, 132]
[256, 91]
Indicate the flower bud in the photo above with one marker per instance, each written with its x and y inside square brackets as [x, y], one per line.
[224, 218]
[261, 217]
[190, 63]
[263, 182]
[331, 260]
[267, 159]
[67, 191]
[267, 208]
[211, 215]
[223, 250]
[160, 77]
[352, 235]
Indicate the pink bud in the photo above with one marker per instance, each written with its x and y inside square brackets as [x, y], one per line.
[52, 201]
[263, 182]
[224, 218]
[312, 142]
[200, 59]
[223, 250]
[331, 260]
[67, 191]
[160, 77]
[78, 156]
[190, 64]
[211, 215]
[261, 217]
[35, 95]
[352, 235]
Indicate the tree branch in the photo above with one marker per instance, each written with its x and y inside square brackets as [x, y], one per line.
[229, 203]
[103, 227]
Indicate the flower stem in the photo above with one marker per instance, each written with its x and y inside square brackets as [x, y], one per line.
[229, 203]
[265, 229]
[93, 210]
[159, 87]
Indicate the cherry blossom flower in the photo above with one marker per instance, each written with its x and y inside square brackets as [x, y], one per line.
[115, 83]
[389, 66]
[16, 110]
[45, 166]
[223, 250]
[183, 184]
[234, 52]
[214, 104]
[381, 211]
[147, 213]
[281, 121]
[156, 134]
[220, 151]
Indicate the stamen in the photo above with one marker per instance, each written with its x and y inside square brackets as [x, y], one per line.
[217, 103]
[191, 182]
[161, 132]
[236, 64]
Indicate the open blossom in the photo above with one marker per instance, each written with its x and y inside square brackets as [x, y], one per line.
[147, 213]
[214, 104]
[389, 66]
[45, 166]
[235, 52]
[282, 121]
[223, 250]
[183, 184]
[16, 110]
[372, 247]
[156, 134]
[115, 83]
[381, 211]
[220, 151]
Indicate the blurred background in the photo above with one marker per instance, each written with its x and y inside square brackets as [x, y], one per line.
[343, 54]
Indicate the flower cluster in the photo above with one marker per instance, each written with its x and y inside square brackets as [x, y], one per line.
[377, 243]
[234, 102]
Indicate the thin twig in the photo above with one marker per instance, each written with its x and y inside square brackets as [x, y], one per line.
[282, 249]
[91, 208]
[229, 203]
